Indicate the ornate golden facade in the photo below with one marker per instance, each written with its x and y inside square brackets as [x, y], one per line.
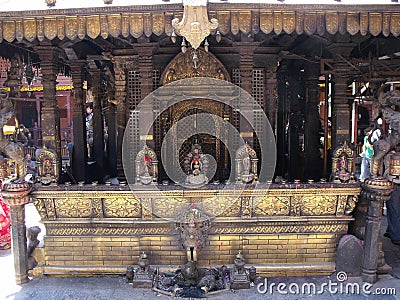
[101, 220]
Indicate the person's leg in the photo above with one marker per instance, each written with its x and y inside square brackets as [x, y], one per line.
[364, 169]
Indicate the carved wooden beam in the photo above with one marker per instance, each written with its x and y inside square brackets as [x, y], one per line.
[147, 20]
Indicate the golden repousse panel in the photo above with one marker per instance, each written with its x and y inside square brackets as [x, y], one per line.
[289, 22]
[103, 27]
[266, 22]
[395, 24]
[364, 23]
[114, 24]
[147, 24]
[375, 23]
[271, 206]
[73, 207]
[342, 22]
[353, 23]
[234, 22]
[168, 207]
[299, 22]
[9, 30]
[81, 27]
[314, 205]
[332, 21]
[71, 27]
[30, 29]
[93, 26]
[50, 28]
[158, 23]
[136, 25]
[125, 25]
[278, 22]
[224, 21]
[386, 24]
[121, 207]
[40, 29]
[19, 30]
[245, 21]
[222, 206]
[320, 23]
[310, 23]
[61, 27]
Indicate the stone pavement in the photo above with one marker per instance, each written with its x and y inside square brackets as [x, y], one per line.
[116, 288]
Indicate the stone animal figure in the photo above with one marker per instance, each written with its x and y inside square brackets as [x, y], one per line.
[130, 274]
[11, 148]
[386, 99]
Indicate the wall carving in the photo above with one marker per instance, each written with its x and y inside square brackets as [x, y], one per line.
[113, 21]
[300, 200]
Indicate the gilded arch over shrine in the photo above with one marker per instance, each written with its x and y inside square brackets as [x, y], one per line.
[182, 66]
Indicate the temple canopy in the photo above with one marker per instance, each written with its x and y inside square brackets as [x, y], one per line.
[24, 5]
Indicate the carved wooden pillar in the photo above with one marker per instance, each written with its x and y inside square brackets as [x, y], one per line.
[312, 125]
[271, 91]
[341, 110]
[119, 63]
[246, 51]
[80, 151]
[98, 130]
[50, 118]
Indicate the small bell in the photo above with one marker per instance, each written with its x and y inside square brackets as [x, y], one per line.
[173, 37]
[195, 59]
[218, 36]
[183, 45]
[206, 44]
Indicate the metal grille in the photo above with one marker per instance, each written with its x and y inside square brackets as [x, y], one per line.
[156, 79]
[134, 95]
[258, 86]
[236, 77]
[133, 131]
[258, 95]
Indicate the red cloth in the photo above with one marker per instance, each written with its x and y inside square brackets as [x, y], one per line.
[5, 221]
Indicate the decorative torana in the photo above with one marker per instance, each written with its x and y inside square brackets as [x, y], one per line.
[181, 67]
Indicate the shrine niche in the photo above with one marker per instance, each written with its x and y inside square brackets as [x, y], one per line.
[8, 169]
[146, 166]
[196, 165]
[342, 164]
[47, 164]
[246, 164]
[182, 66]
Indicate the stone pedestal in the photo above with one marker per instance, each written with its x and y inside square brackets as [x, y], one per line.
[377, 191]
[16, 196]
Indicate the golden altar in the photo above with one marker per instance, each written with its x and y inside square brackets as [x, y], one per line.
[286, 229]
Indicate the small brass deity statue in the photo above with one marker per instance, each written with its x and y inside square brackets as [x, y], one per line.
[47, 164]
[195, 165]
[146, 166]
[246, 164]
[342, 164]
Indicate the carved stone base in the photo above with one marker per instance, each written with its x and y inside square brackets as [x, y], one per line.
[240, 282]
[142, 281]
